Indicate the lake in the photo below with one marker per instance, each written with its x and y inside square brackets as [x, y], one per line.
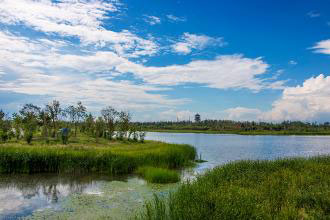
[50, 196]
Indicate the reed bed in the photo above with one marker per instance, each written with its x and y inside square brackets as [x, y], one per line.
[282, 189]
[111, 158]
[158, 175]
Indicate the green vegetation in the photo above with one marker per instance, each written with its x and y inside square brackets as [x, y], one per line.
[70, 140]
[158, 175]
[282, 189]
[238, 127]
[255, 132]
[86, 154]
[55, 122]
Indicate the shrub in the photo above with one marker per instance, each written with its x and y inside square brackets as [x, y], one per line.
[28, 137]
[4, 136]
[158, 175]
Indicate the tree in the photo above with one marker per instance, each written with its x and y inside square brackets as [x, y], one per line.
[29, 114]
[72, 113]
[45, 119]
[17, 122]
[54, 110]
[109, 115]
[81, 113]
[76, 115]
[89, 125]
[5, 127]
[124, 124]
[99, 127]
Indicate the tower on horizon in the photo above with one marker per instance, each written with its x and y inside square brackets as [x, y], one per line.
[197, 118]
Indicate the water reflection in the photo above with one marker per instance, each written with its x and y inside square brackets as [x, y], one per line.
[20, 194]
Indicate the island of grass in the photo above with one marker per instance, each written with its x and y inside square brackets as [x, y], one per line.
[158, 175]
[283, 189]
[89, 155]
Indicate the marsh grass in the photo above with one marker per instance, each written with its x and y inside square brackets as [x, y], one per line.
[158, 175]
[84, 155]
[282, 189]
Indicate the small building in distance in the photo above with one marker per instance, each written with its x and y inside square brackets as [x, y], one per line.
[197, 118]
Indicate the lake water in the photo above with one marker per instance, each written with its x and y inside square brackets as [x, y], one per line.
[49, 196]
[219, 149]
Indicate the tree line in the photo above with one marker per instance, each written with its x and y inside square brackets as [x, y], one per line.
[243, 126]
[53, 121]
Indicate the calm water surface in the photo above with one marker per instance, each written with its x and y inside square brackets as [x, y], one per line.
[221, 148]
[49, 196]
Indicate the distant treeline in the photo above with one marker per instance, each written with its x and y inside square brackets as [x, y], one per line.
[228, 126]
[55, 121]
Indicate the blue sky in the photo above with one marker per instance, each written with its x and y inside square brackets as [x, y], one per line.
[163, 60]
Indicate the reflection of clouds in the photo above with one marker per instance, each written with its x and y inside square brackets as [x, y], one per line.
[11, 200]
[20, 195]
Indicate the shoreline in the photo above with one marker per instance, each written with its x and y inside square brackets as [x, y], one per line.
[261, 133]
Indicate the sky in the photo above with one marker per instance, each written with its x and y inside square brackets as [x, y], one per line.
[168, 60]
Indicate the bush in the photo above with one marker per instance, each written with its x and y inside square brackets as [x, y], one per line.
[28, 137]
[158, 175]
[4, 136]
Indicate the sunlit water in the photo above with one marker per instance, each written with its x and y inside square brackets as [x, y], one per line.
[49, 196]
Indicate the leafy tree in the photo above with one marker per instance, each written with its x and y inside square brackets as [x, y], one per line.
[45, 119]
[17, 123]
[72, 113]
[99, 127]
[124, 124]
[5, 127]
[81, 113]
[89, 124]
[54, 109]
[29, 114]
[76, 115]
[109, 115]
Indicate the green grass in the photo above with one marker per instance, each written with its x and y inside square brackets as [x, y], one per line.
[158, 175]
[257, 132]
[283, 189]
[85, 155]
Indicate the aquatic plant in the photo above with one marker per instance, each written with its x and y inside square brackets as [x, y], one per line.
[158, 175]
[86, 156]
[282, 189]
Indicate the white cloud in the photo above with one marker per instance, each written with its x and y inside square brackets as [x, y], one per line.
[27, 67]
[242, 114]
[152, 20]
[174, 115]
[322, 47]
[189, 42]
[175, 18]
[313, 14]
[292, 62]
[224, 72]
[308, 102]
[81, 19]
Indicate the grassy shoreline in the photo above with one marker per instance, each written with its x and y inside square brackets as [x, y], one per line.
[294, 188]
[82, 157]
[275, 133]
